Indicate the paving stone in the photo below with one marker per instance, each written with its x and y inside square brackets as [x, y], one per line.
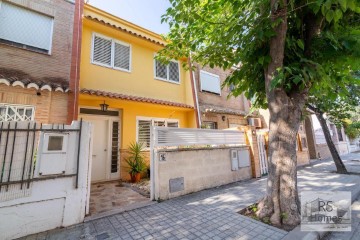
[209, 214]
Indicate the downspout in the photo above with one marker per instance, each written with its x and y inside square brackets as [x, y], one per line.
[195, 96]
[75, 63]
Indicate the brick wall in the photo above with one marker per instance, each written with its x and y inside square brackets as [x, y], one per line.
[38, 65]
[222, 124]
[50, 107]
[239, 103]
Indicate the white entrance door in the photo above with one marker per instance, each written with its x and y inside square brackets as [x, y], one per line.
[105, 149]
[100, 149]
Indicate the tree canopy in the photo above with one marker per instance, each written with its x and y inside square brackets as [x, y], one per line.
[282, 52]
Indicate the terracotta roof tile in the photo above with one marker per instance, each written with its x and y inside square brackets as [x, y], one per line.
[124, 30]
[12, 77]
[133, 98]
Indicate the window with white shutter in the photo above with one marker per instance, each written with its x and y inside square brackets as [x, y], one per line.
[122, 56]
[111, 53]
[144, 125]
[210, 82]
[169, 72]
[102, 51]
[25, 28]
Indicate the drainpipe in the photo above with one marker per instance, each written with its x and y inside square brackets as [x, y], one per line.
[195, 96]
[73, 97]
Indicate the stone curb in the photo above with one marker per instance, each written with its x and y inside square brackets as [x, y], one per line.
[296, 233]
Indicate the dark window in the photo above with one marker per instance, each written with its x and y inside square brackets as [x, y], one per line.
[340, 136]
[115, 147]
[209, 125]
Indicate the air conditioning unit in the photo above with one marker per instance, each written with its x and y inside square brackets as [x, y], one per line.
[256, 122]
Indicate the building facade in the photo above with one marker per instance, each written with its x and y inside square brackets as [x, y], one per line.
[39, 64]
[118, 71]
[216, 109]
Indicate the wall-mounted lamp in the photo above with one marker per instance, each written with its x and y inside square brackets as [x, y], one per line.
[223, 118]
[104, 107]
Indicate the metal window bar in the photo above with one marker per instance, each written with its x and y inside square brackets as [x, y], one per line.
[9, 147]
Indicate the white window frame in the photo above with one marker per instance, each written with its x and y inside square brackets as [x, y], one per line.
[211, 74]
[167, 79]
[20, 106]
[166, 120]
[113, 41]
[64, 143]
[51, 33]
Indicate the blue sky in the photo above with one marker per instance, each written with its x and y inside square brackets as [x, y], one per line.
[145, 13]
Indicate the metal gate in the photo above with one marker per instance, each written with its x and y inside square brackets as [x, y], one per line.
[262, 153]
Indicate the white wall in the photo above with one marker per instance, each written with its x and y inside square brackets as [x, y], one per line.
[55, 202]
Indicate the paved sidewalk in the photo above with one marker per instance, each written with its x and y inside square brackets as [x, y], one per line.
[209, 214]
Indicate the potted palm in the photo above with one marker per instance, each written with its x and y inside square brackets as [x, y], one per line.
[136, 161]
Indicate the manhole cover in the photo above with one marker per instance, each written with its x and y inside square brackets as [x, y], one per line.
[102, 236]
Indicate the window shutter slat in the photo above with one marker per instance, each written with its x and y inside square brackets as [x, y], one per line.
[102, 51]
[144, 132]
[122, 56]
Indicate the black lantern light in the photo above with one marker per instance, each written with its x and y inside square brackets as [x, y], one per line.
[104, 107]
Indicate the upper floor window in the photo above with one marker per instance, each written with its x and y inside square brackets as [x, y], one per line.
[25, 28]
[169, 72]
[10, 112]
[111, 53]
[210, 82]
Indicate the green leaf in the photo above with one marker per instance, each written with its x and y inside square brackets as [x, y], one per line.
[330, 15]
[300, 43]
[261, 60]
[351, 5]
[343, 4]
[338, 15]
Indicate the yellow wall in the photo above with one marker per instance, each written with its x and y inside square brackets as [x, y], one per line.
[131, 110]
[140, 81]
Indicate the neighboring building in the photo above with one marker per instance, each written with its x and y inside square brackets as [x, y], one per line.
[338, 136]
[118, 71]
[39, 64]
[216, 109]
[302, 142]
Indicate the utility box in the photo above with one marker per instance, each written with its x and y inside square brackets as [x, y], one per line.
[243, 158]
[53, 154]
[234, 160]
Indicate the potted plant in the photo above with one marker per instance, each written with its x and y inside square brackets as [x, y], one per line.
[136, 161]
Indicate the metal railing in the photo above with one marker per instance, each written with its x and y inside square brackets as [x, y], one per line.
[18, 150]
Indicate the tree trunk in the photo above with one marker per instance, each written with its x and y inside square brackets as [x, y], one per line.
[281, 202]
[340, 167]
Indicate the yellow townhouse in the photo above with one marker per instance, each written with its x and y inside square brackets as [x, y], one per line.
[124, 90]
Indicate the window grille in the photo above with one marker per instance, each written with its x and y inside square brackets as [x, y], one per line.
[16, 113]
[25, 28]
[168, 72]
[144, 128]
[174, 71]
[210, 82]
[111, 53]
